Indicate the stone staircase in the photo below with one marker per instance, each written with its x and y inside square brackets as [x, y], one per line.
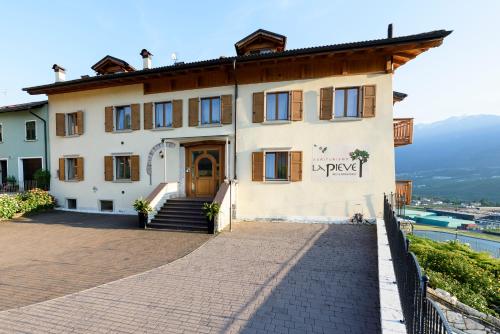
[181, 214]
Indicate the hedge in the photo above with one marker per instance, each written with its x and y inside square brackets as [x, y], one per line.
[472, 277]
[28, 202]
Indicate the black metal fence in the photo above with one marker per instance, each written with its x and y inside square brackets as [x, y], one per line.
[421, 315]
[11, 187]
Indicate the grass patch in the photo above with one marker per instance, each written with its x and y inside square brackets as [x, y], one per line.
[473, 277]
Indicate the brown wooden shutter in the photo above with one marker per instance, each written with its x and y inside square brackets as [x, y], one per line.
[108, 168]
[258, 107]
[79, 123]
[134, 168]
[79, 169]
[369, 100]
[177, 113]
[148, 116]
[296, 105]
[257, 166]
[295, 166]
[226, 108]
[326, 103]
[62, 172]
[136, 116]
[60, 125]
[108, 119]
[193, 111]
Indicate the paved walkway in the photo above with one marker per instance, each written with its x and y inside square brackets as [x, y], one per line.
[54, 254]
[262, 277]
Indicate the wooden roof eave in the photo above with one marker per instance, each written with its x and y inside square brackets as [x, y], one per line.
[401, 53]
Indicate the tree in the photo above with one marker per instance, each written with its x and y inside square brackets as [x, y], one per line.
[362, 156]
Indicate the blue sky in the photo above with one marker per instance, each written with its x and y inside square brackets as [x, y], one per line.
[459, 78]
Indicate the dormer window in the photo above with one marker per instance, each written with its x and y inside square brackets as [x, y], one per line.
[260, 42]
[111, 65]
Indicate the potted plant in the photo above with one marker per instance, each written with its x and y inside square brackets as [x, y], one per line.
[211, 211]
[143, 209]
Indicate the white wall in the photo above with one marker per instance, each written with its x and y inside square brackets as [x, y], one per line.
[298, 200]
[95, 143]
[329, 200]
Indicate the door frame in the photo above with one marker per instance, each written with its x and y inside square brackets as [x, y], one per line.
[2, 181]
[20, 168]
[203, 145]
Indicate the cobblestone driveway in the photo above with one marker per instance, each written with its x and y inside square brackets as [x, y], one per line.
[58, 253]
[262, 277]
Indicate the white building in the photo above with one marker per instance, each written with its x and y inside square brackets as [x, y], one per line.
[274, 129]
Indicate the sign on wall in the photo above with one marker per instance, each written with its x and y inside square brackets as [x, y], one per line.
[340, 163]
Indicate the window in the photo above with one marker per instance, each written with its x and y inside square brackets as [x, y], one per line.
[71, 203]
[106, 206]
[210, 110]
[122, 167]
[123, 118]
[1, 133]
[347, 102]
[71, 124]
[163, 115]
[31, 130]
[276, 166]
[277, 106]
[71, 167]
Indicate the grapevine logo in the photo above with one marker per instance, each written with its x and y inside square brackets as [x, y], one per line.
[339, 163]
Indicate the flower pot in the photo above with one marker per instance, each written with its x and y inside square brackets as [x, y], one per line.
[143, 219]
[211, 226]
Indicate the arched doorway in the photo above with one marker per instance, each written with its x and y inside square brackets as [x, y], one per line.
[204, 168]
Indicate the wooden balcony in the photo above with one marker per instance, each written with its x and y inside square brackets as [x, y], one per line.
[403, 131]
[403, 192]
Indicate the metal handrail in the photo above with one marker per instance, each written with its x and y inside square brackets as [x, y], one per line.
[421, 315]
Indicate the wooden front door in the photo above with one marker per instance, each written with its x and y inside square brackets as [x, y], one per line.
[204, 168]
[204, 173]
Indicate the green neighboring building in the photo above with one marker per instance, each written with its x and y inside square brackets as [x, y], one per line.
[24, 146]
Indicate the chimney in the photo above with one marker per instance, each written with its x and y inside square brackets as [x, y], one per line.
[60, 72]
[146, 59]
[389, 31]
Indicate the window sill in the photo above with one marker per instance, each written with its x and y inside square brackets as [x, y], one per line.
[71, 136]
[276, 122]
[277, 181]
[212, 125]
[346, 119]
[30, 140]
[163, 129]
[122, 181]
[123, 131]
[72, 181]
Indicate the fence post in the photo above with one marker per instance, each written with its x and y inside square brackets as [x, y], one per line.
[423, 312]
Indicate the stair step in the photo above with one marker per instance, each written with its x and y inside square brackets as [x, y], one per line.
[182, 206]
[177, 226]
[176, 211]
[186, 220]
[190, 201]
[181, 217]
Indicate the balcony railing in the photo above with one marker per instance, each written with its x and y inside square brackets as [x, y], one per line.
[403, 131]
[403, 192]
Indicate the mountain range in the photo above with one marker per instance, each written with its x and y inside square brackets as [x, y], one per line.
[457, 158]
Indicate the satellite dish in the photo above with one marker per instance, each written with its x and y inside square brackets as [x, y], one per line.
[174, 57]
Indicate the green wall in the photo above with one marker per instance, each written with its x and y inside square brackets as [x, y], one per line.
[14, 144]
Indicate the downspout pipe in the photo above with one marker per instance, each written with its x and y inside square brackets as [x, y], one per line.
[235, 115]
[231, 182]
[44, 137]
